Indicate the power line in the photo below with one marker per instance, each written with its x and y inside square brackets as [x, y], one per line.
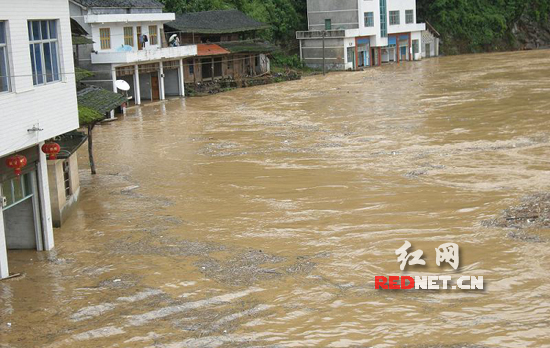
[145, 68]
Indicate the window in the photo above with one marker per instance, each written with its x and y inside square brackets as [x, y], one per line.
[105, 38]
[4, 66]
[409, 16]
[383, 19]
[369, 19]
[153, 36]
[43, 47]
[328, 24]
[394, 17]
[17, 190]
[129, 36]
[191, 69]
[67, 178]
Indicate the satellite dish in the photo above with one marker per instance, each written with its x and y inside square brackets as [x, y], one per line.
[173, 37]
[122, 85]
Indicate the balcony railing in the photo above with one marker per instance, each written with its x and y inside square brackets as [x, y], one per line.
[144, 55]
[314, 34]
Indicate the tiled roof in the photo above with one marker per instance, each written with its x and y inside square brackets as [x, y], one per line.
[210, 50]
[70, 142]
[249, 46]
[215, 22]
[121, 3]
[99, 99]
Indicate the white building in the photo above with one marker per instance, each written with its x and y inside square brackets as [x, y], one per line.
[37, 102]
[360, 33]
[129, 44]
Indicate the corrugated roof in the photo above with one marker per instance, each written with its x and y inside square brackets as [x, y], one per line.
[99, 99]
[215, 22]
[121, 3]
[210, 50]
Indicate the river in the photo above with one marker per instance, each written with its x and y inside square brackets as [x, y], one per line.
[260, 216]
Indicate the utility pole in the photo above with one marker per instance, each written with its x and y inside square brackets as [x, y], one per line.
[324, 34]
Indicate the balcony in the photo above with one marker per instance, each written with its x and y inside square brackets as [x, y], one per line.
[144, 55]
[317, 34]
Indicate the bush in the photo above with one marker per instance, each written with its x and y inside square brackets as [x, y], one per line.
[287, 61]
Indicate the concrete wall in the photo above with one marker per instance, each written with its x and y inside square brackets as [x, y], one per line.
[62, 206]
[428, 38]
[342, 13]
[117, 35]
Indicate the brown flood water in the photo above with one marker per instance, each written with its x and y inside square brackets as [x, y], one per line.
[259, 217]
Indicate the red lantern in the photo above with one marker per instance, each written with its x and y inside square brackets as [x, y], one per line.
[51, 149]
[16, 162]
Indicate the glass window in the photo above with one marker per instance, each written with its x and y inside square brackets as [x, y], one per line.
[394, 17]
[7, 192]
[369, 19]
[4, 66]
[44, 51]
[328, 24]
[105, 38]
[409, 16]
[153, 36]
[129, 36]
[18, 189]
[383, 19]
[191, 69]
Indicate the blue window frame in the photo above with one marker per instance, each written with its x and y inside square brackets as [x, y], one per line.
[369, 19]
[44, 51]
[4, 63]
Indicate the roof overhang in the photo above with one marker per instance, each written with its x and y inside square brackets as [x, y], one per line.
[125, 18]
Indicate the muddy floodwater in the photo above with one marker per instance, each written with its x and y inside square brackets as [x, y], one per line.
[260, 216]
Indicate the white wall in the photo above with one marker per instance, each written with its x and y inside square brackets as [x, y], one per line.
[117, 35]
[52, 106]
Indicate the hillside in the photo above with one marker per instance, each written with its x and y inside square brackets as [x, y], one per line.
[466, 26]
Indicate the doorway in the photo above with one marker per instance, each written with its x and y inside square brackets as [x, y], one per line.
[155, 91]
[403, 53]
[138, 35]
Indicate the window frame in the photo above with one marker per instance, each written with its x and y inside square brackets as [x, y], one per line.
[6, 58]
[53, 44]
[67, 178]
[409, 16]
[128, 38]
[153, 35]
[394, 17]
[328, 24]
[105, 41]
[369, 19]
[383, 19]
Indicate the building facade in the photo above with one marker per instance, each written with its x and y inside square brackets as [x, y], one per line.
[226, 45]
[352, 34]
[38, 102]
[129, 44]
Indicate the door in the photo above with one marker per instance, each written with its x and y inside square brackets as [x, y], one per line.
[351, 57]
[138, 35]
[206, 65]
[155, 92]
[428, 50]
[403, 53]
[218, 67]
[21, 215]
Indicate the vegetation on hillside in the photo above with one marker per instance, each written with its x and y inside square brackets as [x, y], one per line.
[465, 25]
[480, 25]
